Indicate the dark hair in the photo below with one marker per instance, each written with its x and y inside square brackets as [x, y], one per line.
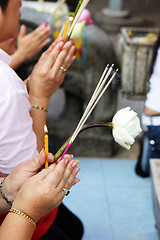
[155, 51]
[4, 4]
[72, 4]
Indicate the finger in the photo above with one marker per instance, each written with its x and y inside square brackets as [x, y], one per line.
[69, 175]
[22, 31]
[42, 44]
[61, 74]
[34, 164]
[56, 42]
[42, 32]
[66, 156]
[56, 175]
[50, 157]
[72, 177]
[37, 162]
[45, 42]
[76, 180]
[51, 55]
[69, 58]
[71, 180]
[60, 59]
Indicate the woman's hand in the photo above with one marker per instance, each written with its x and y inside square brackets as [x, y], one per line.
[44, 191]
[47, 76]
[28, 45]
[23, 172]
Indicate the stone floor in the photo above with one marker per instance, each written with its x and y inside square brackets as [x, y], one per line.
[112, 201]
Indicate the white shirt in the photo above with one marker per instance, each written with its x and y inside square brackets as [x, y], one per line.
[17, 139]
[153, 96]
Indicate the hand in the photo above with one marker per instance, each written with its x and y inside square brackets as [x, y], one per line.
[22, 172]
[47, 76]
[28, 45]
[44, 191]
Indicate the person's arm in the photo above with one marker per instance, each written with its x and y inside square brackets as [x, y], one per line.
[45, 80]
[19, 175]
[4, 206]
[17, 227]
[39, 195]
[28, 45]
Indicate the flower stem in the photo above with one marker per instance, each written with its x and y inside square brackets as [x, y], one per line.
[85, 127]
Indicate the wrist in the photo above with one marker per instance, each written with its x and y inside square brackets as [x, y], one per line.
[27, 208]
[41, 102]
[6, 191]
[19, 57]
[24, 215]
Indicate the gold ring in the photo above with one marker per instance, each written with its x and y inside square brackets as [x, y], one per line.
[66, 191]
[63, 69]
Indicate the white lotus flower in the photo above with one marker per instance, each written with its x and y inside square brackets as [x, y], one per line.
[126, 126]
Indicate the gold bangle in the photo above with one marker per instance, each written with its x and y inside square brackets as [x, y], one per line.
[13, 210]
[40, 108]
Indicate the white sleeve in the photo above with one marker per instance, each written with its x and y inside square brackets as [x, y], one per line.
[17, 139]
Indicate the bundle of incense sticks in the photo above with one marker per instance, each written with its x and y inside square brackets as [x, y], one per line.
[59, 4]
[80, 7]
[99, 91]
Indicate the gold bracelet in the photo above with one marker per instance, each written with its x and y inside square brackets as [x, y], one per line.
[13, 210]
[40, 108]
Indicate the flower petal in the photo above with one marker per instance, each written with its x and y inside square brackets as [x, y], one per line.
[133, 127]
[123, 116]
[127, 138]
[119, 140]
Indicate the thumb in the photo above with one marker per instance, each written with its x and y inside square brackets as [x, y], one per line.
[35, 163]
[22, 31]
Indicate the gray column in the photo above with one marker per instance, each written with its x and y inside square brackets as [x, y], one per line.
[115, 5]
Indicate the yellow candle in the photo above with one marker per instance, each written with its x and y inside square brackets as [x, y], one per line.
[46, 144]
[65, 29]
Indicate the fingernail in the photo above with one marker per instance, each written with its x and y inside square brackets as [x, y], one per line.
[42, 25]
[72, 156]
[66, 160]
[77, 169]
[73, 58]
[60, 44]
[75, 163]
[52, 166]
[50, 155]
[68, 44]
[76, 180]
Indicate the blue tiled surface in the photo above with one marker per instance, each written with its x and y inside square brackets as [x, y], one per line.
[112, 201]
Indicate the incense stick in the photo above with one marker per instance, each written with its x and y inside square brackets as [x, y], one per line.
[59, 4]
[82, 7]
[97, 90]
[78, 6]
[91, 109]
[93, 102]
[62, 30]
[89, 104]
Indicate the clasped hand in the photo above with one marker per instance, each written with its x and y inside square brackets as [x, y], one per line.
[38, 192]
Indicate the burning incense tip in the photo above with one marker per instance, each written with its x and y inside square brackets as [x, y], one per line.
[112, 65]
